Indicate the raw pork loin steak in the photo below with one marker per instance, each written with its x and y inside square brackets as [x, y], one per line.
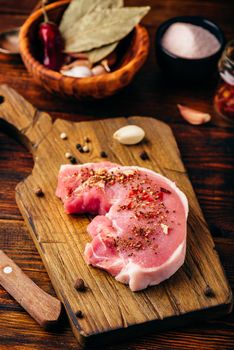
[139, 234]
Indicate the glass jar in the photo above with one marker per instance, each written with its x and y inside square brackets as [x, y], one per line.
[224, 98]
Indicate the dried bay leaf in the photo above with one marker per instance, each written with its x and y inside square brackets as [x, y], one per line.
[102, 27]
[78, 8]
[98, 54]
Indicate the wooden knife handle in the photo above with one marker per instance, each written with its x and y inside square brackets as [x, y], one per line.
[44, 308]
[29, 124]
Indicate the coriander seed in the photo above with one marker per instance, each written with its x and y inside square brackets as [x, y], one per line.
[85, 148]
[68, 155]
[63, 136]
[79, 285]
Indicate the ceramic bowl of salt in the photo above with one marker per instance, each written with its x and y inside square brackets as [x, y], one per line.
[188, 47]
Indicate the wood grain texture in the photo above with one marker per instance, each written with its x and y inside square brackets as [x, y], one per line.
[207, 152]
[60, 239]
[131, 54]
[150, 92]
[44, 308]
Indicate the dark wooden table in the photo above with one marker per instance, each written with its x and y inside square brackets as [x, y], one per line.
[207, 152]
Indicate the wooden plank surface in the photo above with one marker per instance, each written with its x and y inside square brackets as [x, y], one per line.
[110, 308]
[207, 152]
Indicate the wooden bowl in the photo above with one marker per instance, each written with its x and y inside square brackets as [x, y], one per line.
[131, 54]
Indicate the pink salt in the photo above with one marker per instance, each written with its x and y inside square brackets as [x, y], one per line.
[186, 40]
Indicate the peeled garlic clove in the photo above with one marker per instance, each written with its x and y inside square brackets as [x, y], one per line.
[193, 116]
[75, 63]
[105, 64]
[77, 72]
[98, 70]
[129, 135]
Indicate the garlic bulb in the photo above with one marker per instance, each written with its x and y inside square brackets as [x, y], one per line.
[77, 72]
[129, 135]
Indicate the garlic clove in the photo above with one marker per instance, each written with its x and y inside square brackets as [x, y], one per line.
[77, 72]
[75, 63]
[98, 70]
[105, 64]
[193, 116]
[129, 135]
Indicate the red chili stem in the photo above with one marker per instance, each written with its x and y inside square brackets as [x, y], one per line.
[43, 3]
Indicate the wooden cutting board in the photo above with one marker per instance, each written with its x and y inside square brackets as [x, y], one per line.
[111, 311]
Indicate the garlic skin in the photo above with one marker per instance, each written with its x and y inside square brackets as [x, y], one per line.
[99, 70]
[84, 63]
[193, 116]
[129, 135]
[77, 72]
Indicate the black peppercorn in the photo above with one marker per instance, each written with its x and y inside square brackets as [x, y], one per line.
[80, 148]
[79, 314]
[209, 292]
[38, 192]
[73, 160]
[144, 155]
[103, 154]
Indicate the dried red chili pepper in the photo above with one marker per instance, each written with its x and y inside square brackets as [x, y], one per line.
[52, 43]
